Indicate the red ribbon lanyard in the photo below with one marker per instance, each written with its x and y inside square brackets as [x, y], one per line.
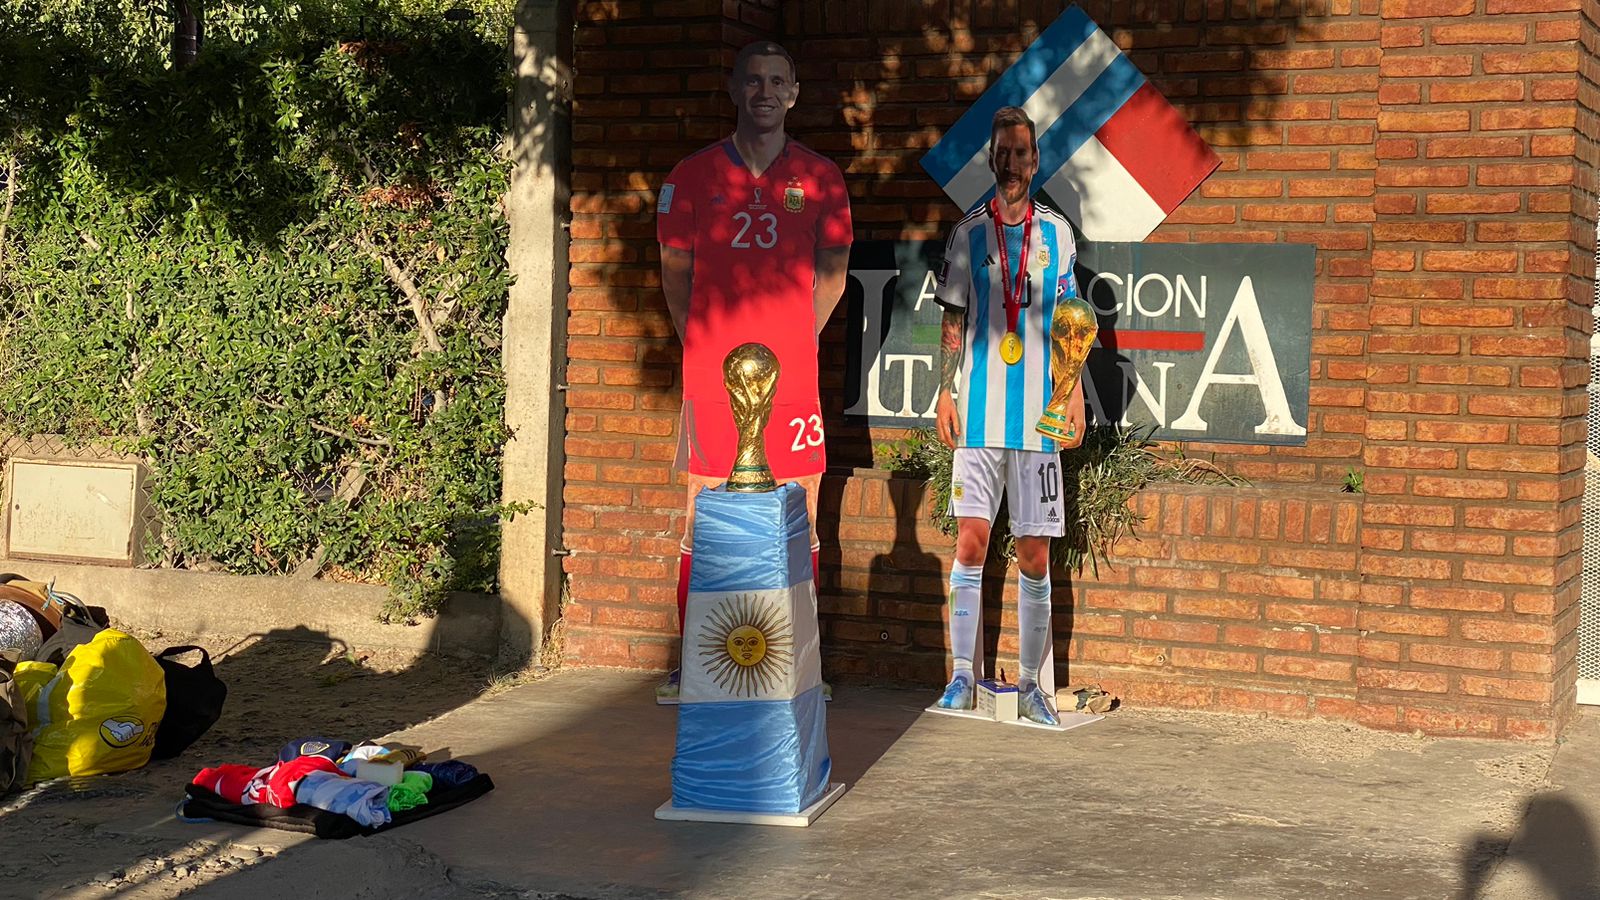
[1012, 292]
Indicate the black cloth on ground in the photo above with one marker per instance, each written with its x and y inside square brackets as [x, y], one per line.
[200, 803]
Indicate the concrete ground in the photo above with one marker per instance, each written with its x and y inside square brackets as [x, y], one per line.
[1143, 804]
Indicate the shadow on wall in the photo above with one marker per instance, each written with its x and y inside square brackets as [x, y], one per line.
[1554, 844]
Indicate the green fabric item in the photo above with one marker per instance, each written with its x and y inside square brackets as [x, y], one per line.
[412, 791]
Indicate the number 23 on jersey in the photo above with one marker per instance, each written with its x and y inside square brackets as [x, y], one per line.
[762, 229]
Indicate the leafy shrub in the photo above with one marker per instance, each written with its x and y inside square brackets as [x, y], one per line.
[279, 275]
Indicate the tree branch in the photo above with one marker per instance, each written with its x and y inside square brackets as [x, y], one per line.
[11, 196]
[318, 426]
[408, 286]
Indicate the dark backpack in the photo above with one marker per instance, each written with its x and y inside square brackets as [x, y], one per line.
[16, 744]
[194, 701]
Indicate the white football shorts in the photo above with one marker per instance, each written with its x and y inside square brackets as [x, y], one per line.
[1030, 479]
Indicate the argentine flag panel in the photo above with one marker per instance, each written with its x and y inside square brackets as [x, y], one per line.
[1113, 153]
[752, 732]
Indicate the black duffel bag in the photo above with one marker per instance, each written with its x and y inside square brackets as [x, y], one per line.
[194, 701]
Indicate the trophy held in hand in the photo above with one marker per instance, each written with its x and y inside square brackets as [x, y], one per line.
[1072, 332]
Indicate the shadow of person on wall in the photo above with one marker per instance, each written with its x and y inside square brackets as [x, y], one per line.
[1554, 841]
[906, 596]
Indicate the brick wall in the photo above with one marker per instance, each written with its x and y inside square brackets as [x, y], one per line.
[1427, 147]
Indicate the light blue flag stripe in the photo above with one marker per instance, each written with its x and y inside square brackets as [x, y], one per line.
[971, 132]
[978, 321]
[1109, 92]
[752, 756]
[734, 546]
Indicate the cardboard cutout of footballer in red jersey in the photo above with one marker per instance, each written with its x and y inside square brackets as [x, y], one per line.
[754, 240]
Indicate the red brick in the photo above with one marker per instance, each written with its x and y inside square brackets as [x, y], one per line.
[1288, 705]
[1402, 680]
[1271, 638]
[1167, 630]
[1137, 601]
[1400, 36]
[1427, 9]
[1526, 62]
[1457, 598]
[1302, 667]
[1403, 623]
[1461, 488]
[1219, 660]
[1327, 616]
[1381, 651]
[1442, 722]
[1457, 657]
[1497, 7]
[1373, 715]
[1506, 688]
[1480, 33]
[1497, 631]
[1524, 174]
[1415, 66]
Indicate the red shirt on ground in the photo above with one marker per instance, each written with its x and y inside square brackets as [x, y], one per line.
[754, 241]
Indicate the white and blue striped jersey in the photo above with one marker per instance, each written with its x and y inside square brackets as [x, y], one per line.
[999, 404]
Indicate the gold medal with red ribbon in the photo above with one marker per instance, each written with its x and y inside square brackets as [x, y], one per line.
[1012, 289]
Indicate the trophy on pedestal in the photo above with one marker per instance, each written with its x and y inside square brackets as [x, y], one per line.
[752, 731]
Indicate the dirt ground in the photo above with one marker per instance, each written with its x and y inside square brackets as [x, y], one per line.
[280, 687]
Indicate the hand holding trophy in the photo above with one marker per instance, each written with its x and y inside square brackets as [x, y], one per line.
[1072, 332]
[750, 373]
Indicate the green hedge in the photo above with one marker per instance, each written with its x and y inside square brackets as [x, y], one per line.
[279, 275]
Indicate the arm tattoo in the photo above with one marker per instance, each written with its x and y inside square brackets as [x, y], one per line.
[950, 328]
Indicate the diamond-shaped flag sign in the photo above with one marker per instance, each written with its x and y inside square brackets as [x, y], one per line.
[1113, 154]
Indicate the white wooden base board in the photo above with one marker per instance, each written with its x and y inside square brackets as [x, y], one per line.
[1069, 721]
[800, 819]
[960, 713]
[1589, 691]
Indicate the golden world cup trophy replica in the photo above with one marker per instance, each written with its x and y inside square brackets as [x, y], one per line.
[750, 373]
[1072, 332]
[752, 730]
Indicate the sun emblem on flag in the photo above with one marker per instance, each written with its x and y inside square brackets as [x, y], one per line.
[747, 645]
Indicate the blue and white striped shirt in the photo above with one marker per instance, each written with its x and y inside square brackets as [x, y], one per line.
[999, 404]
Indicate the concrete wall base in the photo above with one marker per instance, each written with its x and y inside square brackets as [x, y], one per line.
[187, 602]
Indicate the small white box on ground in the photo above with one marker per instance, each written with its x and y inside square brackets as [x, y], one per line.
[997, 700]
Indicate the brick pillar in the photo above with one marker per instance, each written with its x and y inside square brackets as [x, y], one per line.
[1471, 530]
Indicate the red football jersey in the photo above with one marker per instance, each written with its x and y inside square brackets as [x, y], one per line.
[754, 241]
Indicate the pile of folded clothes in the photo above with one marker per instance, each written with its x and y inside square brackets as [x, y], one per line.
[332, 788]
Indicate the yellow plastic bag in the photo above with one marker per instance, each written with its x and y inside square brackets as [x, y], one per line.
[100, 712]
[31, 677]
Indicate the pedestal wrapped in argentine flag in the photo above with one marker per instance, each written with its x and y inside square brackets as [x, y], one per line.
[752, 732]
